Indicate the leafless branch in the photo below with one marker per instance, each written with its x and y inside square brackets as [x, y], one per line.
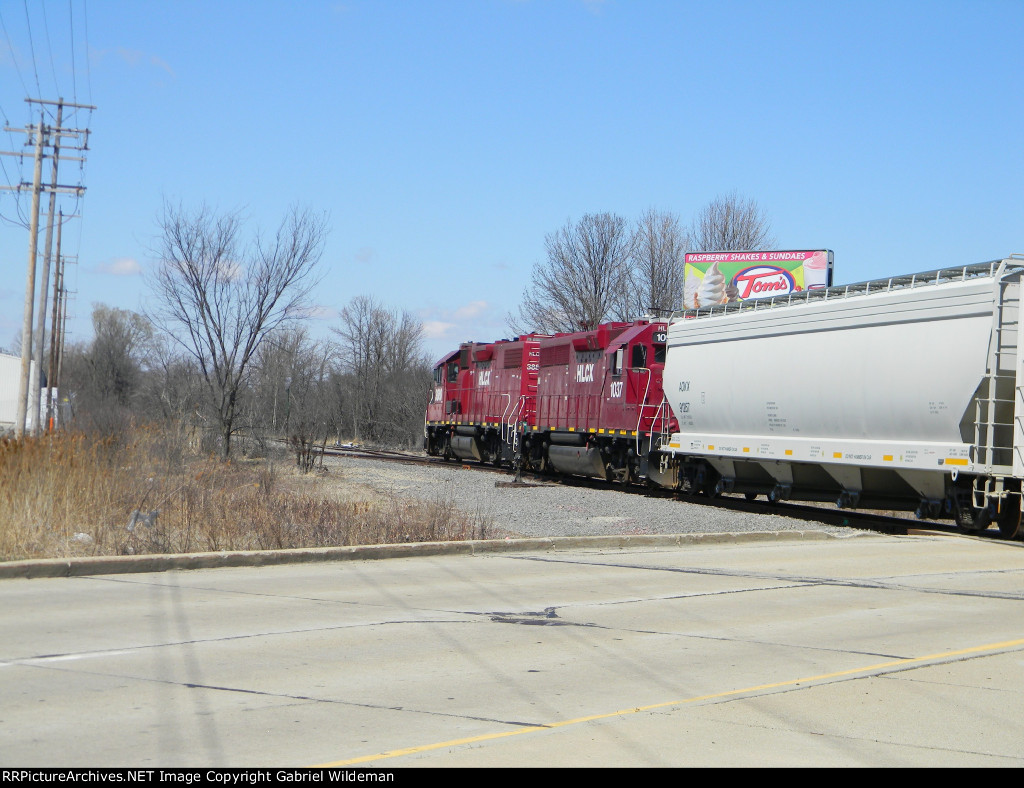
[219, 299]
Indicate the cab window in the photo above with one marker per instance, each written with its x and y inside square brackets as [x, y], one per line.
[639, 357]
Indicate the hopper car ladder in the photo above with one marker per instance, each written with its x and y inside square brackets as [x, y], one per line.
[997, 414]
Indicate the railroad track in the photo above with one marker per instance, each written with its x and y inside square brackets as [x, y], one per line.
[878, 522]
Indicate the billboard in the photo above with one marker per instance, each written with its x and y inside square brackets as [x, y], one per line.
[711, 278]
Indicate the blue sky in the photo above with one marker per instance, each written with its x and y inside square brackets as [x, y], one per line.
[446, 138]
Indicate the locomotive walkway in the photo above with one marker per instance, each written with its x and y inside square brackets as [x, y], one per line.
[866, 651]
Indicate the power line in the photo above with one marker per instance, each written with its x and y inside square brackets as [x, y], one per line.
[49, 47]
[52, 137]
[10, 185]
[88, 69]
[74, 76]
[32, 49]
[14, 58]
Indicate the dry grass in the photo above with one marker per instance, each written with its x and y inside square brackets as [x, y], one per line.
[69, 495]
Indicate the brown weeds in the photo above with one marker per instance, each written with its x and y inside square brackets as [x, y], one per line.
[68, 494]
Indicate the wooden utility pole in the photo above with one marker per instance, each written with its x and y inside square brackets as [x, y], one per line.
[44, 286]
[29, 399]
[58, 283]
[30, 288]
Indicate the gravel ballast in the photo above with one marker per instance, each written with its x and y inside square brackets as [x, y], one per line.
[552, 509]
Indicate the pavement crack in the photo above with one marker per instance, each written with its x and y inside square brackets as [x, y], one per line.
[301, 698]
[797, 580]
[74, 655]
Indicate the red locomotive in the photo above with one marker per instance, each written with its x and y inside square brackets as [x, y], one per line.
[482, 394]
[584, 403]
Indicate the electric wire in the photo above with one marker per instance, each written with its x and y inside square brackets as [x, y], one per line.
[74, 67]
[10, 48]
[32, 49]
[88, 69]
[7, 122]
[49, 47]
[14, 191]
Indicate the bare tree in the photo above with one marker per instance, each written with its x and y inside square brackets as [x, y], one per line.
[384, 376]
[172, 387]
[585, 280]
[106, 376]
[220, 298]
[297, 370]
[659, 249]
[731, 223]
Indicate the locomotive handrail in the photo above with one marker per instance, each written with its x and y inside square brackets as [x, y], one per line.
[994, 268]
[504, 413]
[660, 413]
[512, 422]
[640, 410]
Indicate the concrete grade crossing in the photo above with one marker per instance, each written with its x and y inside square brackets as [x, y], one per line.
[867, 651]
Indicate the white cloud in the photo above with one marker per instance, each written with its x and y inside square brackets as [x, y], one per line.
[129, 56]
[470, 310]
[161, 63]
[120, 266]
[436, 329]
[231, 270]
[321, 312]
[445, 329]
[132, 57]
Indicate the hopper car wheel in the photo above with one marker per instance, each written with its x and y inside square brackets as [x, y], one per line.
[707, 482]
[1009, 519]
[972, 520]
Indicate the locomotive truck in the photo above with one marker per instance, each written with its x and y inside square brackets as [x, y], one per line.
[904, 393]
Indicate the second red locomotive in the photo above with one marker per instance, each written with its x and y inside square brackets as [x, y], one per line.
[584, 403]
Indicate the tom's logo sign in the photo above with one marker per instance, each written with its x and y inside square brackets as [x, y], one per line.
[759, 281]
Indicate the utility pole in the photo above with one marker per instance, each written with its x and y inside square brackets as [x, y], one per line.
[44, 285]
[30, 286]
[58, 283]
[29, 390]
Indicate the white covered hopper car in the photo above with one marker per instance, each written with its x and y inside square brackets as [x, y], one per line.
[901, 393]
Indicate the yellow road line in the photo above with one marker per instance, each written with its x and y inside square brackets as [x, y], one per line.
[1006, 645]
